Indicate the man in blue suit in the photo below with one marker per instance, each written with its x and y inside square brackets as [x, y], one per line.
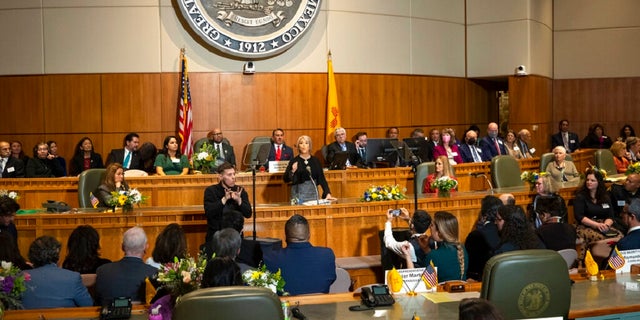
[565, 138]
[277, 150]
[469, 151]
[492, 145]
[632, 218]
[51, 286]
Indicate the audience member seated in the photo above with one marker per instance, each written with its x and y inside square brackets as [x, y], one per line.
[515, 231]
[546, 188]
[277, 150]
[524, 142]
[633, 147]
[621, 195]
[554, 232]
[125, 278]
[170, 161]
[565, 138]
[511, 143]
[113, 181]
[626, 132]
[445, 251]
[593, 211]
[42, 165]
[83, 251]
[492, 144]
[470, 151]
[478, 309]
[53, 151]
[51, 286]
[226, 243]
[128, 156]
[360, 141]
[10, 252]
[148, 153]
[402, 155]
[443, 169]
[305, 174]
[221, 272]
[305, 268]
[560, 169]
[18, 152]
[225, 150]
[10, 167]
[8, 209]
[342, 145]
[596, 138]
[448, 147]
[484, 239]
[631, 241]
[170, 243]
[250, 250]
[84, 157]
[418, 225]
[620, 156]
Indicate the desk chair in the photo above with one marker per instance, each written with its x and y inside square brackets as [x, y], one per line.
[548, 157]
[88, 181]
[505, 172]
[526, 284]
[222, 303]
[570, 256]
[604, 160]
[342, 282]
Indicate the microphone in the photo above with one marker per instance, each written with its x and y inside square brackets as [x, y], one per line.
[481, 174]
[315, 187]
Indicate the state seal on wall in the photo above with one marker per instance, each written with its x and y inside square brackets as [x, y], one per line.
[250, 28]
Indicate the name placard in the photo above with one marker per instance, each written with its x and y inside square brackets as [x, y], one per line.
[412, 280]
[278, 166]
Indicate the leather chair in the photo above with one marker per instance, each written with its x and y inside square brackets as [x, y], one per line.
[505, 172]
[526, 284]
[422, 171]
[342, 282]
[604, 160]
[548, 157]
[88, 181]
[222, 303]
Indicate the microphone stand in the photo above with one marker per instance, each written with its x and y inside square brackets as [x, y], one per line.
[254, 164]
[479, 174]
[315, 187]
[414, 169]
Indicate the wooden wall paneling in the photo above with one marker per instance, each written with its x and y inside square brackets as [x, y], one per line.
[530, 104]
[476, 105]
[130, 102]
[205, 99]
[355, 100]
[439, 101]
[72, 103]
[22, 105]
[390, 100]
[169, 92]
[301, 102]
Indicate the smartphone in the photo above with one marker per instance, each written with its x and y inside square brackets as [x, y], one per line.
[395, 212]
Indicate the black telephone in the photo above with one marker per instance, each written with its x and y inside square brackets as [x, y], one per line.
[376, 296]
[120, 308]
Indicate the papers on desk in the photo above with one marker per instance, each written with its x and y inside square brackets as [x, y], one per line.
[316, 202]
[440, 297]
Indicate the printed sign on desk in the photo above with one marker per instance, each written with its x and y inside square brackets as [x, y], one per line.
[278, 166]
[412, 280]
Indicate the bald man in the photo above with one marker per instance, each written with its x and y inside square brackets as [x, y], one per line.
[492, 145]
[524, 142]
[10, 167]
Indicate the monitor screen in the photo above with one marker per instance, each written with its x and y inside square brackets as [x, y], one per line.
[378, 148]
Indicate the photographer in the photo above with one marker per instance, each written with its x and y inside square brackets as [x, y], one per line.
[418, 225]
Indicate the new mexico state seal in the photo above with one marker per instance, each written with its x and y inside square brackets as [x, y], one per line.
[534, 299]
[250, 28]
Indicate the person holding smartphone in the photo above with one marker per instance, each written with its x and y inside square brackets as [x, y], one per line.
[418, 225]
[43, 164]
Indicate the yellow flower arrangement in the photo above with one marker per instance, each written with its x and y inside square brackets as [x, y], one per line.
[633, 168]
[383, 193]
[264, 278]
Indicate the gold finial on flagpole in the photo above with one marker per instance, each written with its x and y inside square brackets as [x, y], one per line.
[329, 55]
[182, 51]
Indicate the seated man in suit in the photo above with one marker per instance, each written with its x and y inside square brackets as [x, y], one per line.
[631, 218]
[10, 167]
[128, 155]
[621, 195]
[492, 145]
[277, 150]
[555, 234]
[51, 286]
[469, 150]
[524, 142]
[342, 145]
[305, 268]
[360, 141]
[225, 151]
[569, 140]
[125, 278]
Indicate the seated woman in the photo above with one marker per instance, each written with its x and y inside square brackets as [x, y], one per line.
[515, 231]
[113, 181]
[221, 272]
[169, 161]
[53, 151]
[596, 138]
[625, 132]
[562, 170]
[446, 253]
[511, 144]
[448, 148]
[620, 156]
[554, 233]
[148, 153]
[83, 251]
[593, 211]
[84, 157]
[305, 173]
[42, 165]
[170, 243]
[10, 252]
[51, 286]
[484, 238]
[443, 169]
[18, 153]
[546, 188]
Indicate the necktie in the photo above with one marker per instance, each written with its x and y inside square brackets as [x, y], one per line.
[474, 152]
[278, 153]
[497, 146]
[565, 140]
[525, 150]
[219, 149]
[2, 160]
[363, 155]
[127, 159]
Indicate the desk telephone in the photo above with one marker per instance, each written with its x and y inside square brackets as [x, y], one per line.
[120, 308]
[377, 296]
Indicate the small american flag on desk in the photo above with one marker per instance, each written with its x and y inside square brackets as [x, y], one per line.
[616, 260]
[430, 276]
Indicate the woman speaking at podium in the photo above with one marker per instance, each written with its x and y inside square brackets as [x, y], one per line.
[305, 173]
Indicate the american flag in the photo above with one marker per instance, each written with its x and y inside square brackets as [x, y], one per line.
[430, 276]
[616, 260]
[94, 200]
[185, 119]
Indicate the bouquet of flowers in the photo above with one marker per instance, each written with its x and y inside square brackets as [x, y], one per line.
[11, 194]
[530, 176]
[633, 168]
[444, 183]
[384, 192]
[12, 282]
[126, 198]
[182, 275]
[264, 278]
[205, 160]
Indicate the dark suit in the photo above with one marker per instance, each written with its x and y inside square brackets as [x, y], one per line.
[267, 153]
[77, 163]
[124, 278]
[557, 236]
[227, 152]
[592, 141]
[480, 245]
[429, 150]
[630, 241]
[467, 156]
[334, 147]
[488, 147]
[305, 268]
[619, 197]
[53, 287]
[43, 168]
[117, 155]
[214, 209]
[13, 168]
[573, 142]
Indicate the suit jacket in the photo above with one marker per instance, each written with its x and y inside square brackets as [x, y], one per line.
[267, 153]
[620, 196]
[592, 141]
[467, 156]
[14, 168]
[124, 278]
[480, 244]
[334, 147]
[77, 163]
[574, 141]
[630, 241]
[305, 268]
[488, 147]
[557, 236]
[117, 155]
[229, 155]
[53, 287]
[43, 168]
[441, 151]
[214, 209]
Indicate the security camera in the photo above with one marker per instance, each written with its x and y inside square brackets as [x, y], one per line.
[521, 71]
[249, 68]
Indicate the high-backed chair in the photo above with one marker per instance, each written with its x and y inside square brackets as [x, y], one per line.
[505, 172]
[88, 181]
[422, 171]
[221, 303]
[569, 256]
[604, 160]
[548, 157]
[528, 284]
[342, 282]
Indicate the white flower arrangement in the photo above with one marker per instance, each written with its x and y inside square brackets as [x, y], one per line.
[11, 194]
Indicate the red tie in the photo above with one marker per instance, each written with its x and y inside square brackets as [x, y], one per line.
[278, 153]
[497, 146]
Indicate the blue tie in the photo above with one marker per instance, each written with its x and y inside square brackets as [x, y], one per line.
[126, 161]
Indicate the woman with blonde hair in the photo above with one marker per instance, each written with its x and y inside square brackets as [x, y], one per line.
[443, 169]
[447, 147]
[305, 174]
[620, 156]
